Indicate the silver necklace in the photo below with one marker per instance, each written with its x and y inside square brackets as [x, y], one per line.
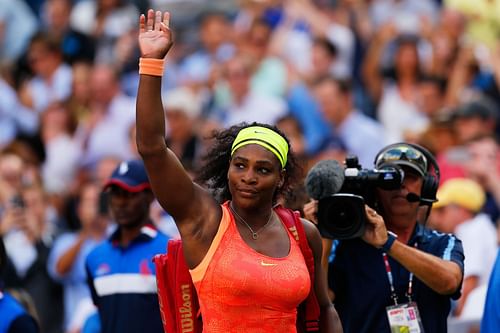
[255, 234]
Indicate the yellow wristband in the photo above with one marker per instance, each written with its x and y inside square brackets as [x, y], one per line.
[151, 66]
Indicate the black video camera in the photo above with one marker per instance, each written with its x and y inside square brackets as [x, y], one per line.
[342, 215]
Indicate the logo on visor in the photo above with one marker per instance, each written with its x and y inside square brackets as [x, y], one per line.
[123, 168]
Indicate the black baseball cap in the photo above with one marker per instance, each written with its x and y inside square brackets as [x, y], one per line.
[404, 155]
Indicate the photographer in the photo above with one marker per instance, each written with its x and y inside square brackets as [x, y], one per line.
[398, 273]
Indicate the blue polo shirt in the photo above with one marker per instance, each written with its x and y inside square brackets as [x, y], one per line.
[13, 317]
[359, 280]
[122, 281]
[491, 317]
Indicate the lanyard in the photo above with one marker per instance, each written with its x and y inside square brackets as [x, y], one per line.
[388, 270]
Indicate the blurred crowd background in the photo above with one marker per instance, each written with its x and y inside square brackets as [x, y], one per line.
[338, 77]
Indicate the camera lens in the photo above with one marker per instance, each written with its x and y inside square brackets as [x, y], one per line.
[341, 216]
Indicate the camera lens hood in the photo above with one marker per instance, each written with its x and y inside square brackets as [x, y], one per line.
[341, 216]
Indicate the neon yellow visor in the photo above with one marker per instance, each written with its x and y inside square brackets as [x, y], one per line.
[264, 137]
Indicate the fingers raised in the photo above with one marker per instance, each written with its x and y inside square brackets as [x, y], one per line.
[142, 23]
[157, 21]
[154, 21]
[150, 20]
[166, 20]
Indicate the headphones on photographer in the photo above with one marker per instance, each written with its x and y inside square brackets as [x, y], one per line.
[432, 174]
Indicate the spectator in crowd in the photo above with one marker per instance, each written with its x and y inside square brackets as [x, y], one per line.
[62, 152]
[111, 115]
[458, 212]
[32, 153]
[406, 14]
[28, 227]
[270, 73]
[471, 77]
[52, 76]
[476, 118]
[290, 126]
[216, 47]
[424, 269]
[75, 46]
[121, 274]
[445, 42]
[105, 21]
[15, 118]
[248, 177]
[396, 94]
[483, 166]
[431, 95]
[81, 94]
[439, 137]
[477, 159]
[182, 111]
[15, 318]
[302, 22]
[243, 104]
[335, 100]
[301, 102]
[17, 26]
[15, 172]
[482, 21]
[323, 57]
[67, 257]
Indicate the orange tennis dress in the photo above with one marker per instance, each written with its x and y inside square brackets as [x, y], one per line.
[241, 290]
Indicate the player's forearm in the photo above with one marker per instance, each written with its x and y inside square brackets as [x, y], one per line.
[150, 117]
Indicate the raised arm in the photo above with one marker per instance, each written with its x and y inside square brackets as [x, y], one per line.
[194, 210]
[371, 67]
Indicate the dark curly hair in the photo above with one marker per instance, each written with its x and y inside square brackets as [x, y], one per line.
[215, 165]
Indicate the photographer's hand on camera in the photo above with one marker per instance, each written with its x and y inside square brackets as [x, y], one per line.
[310, 209]
[375, 230]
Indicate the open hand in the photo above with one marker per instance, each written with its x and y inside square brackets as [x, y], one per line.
[155, 37]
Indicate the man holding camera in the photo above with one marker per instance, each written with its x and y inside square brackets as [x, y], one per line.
[398, 276]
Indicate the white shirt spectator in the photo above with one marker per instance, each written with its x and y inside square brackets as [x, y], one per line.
[110, 136]
[20, 24]
[399, 116]
[61, 162]
[121, 20]
[343, 38]
[255, 107]
[58, 89]
[363, 137]
[479, 240]
[14, 117]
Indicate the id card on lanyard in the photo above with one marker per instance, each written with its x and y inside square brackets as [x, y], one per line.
[404, 317]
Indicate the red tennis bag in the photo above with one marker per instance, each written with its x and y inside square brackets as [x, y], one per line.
[179, 307]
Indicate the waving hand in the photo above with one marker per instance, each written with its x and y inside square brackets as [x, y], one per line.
[155, 37]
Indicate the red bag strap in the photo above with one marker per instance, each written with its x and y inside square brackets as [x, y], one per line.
[177, 296]
[292, 221]
[165, 297]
